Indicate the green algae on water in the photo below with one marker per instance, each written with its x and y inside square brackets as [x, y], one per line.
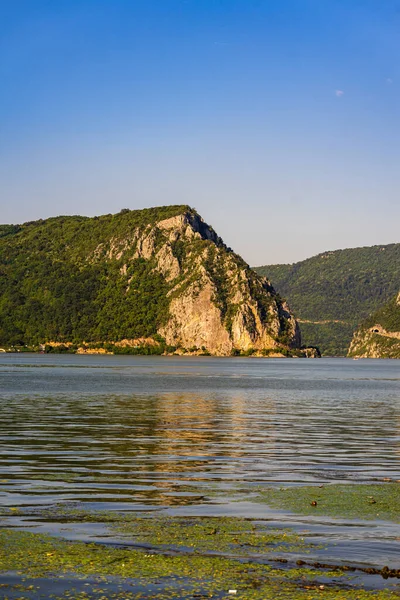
[350, 501]
[226, 535]
[214, 534]
[40, 556]
[169, 557]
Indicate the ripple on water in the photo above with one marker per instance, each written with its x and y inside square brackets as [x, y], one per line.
[139, 433]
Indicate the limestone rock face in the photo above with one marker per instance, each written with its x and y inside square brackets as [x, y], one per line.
[195, 322]
[218, 303]
[167, 264]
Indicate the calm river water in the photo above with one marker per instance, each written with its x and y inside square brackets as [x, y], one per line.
[138, 433]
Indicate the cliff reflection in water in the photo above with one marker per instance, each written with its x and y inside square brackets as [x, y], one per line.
[145, 431]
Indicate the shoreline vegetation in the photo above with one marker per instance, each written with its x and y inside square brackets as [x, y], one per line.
[154, 347]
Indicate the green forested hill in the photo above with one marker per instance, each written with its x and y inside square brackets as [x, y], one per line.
[333, 292]
[379, 335]
[388, 316]
[52, 287]
[138, 278]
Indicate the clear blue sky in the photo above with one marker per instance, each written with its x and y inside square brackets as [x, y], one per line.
[277, 119]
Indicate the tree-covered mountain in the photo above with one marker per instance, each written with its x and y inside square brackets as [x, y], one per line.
[157, 276]
[379, 335]
[332, 293]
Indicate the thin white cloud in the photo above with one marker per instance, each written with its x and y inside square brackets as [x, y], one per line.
[339, 93]
[389, 81]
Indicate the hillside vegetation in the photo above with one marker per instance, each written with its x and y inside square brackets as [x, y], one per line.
[155, 275]
[333, 292]
[50, 289]
[379, 335]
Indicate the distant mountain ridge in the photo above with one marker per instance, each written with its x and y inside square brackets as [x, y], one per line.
[333, 292]
[149, 280]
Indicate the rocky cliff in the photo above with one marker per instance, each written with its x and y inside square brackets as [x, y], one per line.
[160, 274]
[379, 335]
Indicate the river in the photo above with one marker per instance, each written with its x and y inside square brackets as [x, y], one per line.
[198, 435]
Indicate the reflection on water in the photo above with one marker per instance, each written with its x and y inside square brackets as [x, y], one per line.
[138, 429]
[139, 433]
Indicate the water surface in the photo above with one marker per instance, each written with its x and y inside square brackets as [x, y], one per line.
[192, 434]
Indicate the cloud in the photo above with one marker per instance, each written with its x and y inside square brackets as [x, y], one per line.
[339, 93]
[389, 81]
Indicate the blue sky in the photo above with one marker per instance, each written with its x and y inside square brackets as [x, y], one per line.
[277, 119]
